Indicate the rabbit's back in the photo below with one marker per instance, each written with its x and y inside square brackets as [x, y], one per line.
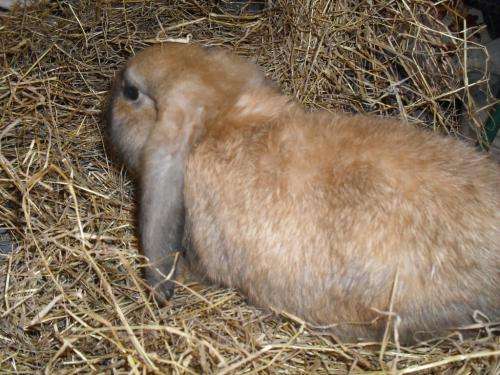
[322, 216]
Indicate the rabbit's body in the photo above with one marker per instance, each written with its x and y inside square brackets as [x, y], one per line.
[333, 218]
[315, 214]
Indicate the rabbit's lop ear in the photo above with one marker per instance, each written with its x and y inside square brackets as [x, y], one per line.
[161, 210]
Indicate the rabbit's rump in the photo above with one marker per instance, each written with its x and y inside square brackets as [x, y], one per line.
[332, 218]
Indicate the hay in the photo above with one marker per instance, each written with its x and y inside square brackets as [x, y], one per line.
[72, 298]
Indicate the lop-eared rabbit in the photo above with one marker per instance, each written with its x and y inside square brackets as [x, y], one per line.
[334, 218]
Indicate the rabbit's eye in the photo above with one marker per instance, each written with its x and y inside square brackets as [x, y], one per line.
[130, 92]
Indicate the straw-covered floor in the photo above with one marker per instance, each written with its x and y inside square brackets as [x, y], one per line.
[71, 294]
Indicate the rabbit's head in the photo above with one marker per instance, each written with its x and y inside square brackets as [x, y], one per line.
[168, 93]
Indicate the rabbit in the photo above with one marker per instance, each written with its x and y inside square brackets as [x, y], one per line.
[338, 219]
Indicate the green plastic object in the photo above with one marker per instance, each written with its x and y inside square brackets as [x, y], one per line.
[491, 128]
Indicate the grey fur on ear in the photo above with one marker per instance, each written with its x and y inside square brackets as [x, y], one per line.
[161, 216]
[161, 205]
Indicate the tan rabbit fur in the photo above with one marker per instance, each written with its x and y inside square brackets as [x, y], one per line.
[320, 215]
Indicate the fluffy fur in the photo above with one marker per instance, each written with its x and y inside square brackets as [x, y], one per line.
[323, 216]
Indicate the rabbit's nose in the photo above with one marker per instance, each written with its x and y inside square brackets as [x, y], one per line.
[165, 291]
[168, 292]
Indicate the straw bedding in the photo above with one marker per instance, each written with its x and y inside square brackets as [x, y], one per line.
[72, 298]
